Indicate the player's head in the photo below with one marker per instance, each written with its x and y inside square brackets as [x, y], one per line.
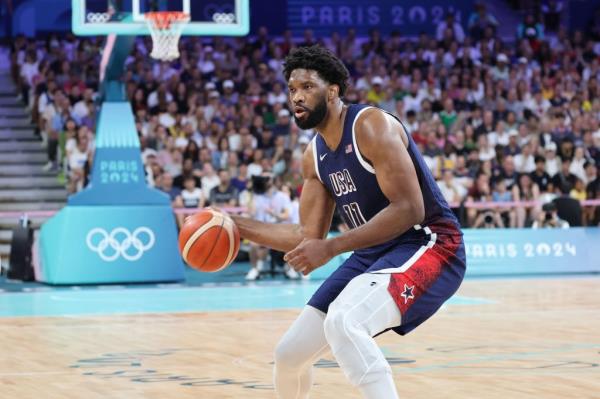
[316, 78]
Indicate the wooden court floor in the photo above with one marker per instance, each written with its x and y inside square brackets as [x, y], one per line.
[536, 338]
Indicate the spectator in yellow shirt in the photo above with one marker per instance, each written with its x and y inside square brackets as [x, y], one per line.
[376, 94]
[578, 191]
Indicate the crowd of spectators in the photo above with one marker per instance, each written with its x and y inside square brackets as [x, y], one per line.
[497, 121]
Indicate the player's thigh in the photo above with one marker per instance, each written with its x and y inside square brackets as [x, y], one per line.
[337, 281]
[365, 301]
[422, 277]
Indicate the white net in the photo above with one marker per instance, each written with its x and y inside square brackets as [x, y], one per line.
[165, 29]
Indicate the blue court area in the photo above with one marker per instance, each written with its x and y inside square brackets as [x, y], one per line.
[200, 293]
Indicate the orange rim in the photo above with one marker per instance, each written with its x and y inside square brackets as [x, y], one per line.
[163, 19]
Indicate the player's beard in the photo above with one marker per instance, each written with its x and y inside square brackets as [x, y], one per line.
[313, 116]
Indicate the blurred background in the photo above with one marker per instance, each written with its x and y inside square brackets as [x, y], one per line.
[502, 98]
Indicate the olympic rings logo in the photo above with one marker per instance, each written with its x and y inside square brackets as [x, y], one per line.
[98, 17]
[120, 242]
[223, 18]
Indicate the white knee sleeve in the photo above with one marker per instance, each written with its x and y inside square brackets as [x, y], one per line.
[295, 353]
[362, 310]
[303, 341]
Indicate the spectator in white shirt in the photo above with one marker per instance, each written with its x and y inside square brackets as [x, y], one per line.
[538, 104]
[209, 179]
[500, 135]
[451, 190]
[525, 161]
[277, 95]
[159, 97]
[168, 119]
[191, 197]
[553, 161]
[577, 164]
[78, 161]
[500, 71]
[486, 150]
[412, 101]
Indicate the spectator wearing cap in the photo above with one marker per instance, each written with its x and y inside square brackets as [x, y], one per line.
[548, 218]
[206, 64]
[376, 93]
[212, 106]
[501, 71]
[230, 96]
[283, 124]
[553, 162]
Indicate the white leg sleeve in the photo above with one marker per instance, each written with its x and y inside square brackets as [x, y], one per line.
[298, 349]
[363, 309]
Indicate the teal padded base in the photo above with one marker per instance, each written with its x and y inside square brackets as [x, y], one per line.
[109, 244]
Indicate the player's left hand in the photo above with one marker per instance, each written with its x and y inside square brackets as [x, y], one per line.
[309, 255]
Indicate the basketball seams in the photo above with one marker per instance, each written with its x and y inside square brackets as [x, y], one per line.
[229, 229]
[194, 237]
[215, 242]
[200, 255]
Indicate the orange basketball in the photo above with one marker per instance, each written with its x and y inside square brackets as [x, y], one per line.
[209, 241]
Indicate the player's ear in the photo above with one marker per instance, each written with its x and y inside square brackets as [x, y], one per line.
[334, 91]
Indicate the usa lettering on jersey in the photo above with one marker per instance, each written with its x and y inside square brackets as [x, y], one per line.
[341, 182]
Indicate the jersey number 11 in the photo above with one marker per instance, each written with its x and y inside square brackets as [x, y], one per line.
[354, 215]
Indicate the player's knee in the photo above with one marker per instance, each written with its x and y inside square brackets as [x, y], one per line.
[339, 327]
[348, 338]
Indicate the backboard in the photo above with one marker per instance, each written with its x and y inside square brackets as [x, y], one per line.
[126, 17]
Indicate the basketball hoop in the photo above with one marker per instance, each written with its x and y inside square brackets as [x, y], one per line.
[165, 28]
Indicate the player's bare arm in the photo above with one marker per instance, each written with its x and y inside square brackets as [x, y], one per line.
[316, 212]
[382, 140]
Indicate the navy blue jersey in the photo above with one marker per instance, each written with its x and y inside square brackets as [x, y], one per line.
[351, 180]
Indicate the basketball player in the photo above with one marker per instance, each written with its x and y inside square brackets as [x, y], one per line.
[408, 251]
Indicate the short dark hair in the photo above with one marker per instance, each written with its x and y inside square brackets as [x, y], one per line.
[321, 60]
